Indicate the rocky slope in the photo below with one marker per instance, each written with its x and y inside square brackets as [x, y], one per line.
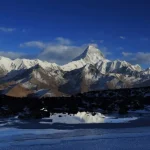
[119, 101]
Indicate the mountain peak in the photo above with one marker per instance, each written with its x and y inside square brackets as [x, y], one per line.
[91, 55]
[93, 49]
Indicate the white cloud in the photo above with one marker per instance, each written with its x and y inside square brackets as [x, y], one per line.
[37, 44]
[64, 41]
[126, 54]
[137, 58]
[11, 54]
[60, 50]
[60, 53]
[141, 58]
[122, 37]
[4, 29]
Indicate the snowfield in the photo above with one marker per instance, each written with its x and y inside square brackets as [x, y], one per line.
[85, 117]
[91, 139]
[82, 131]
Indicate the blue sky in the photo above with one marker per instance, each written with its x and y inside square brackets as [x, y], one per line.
[59, 30]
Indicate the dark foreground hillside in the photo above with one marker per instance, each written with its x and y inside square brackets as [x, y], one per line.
[106, 101]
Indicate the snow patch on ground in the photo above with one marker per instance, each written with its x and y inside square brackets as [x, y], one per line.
[84, 117]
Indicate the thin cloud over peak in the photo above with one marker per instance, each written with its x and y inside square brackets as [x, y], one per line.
[11, 54]
[60, 50]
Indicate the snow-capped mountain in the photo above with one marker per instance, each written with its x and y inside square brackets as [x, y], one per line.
[91, 55]
[94, 56]
[87, 72]
[18, 64]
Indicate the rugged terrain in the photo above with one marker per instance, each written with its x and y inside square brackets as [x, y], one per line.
[119, 101]
[88, 72]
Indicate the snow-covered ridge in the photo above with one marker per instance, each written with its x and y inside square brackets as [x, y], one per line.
[74, 65]
[18, 64]
[94, 56]
[89, 71]
[91, 55]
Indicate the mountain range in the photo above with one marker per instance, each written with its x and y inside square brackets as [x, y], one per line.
[88, 72]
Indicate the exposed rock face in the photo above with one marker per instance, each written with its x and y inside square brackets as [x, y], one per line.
[18, 91]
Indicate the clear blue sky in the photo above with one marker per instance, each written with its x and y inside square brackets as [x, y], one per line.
[121, 28]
